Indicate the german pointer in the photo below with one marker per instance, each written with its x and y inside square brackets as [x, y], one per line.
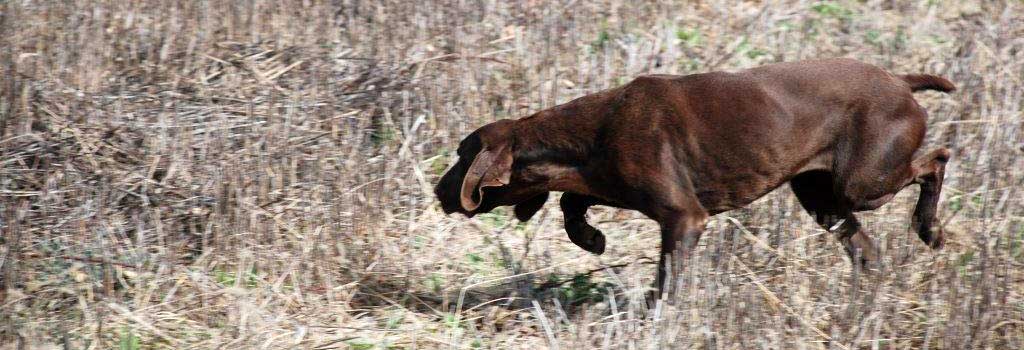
[681, 148]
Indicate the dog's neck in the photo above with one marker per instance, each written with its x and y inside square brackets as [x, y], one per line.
[552, 136]
[551, 148]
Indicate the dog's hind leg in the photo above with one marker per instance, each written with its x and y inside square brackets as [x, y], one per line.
[929, 171]
[816, 193]
[574, 209]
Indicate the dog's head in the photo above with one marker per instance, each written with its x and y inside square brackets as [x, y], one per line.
[482, 179]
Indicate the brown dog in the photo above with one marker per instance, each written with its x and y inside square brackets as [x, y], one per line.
[681, 148]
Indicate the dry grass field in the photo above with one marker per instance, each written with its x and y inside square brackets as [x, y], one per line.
[258, 175]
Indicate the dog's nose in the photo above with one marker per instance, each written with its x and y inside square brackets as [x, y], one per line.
[447, 209]
[449, 203]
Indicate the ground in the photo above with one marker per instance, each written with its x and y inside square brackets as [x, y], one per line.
[258, 175]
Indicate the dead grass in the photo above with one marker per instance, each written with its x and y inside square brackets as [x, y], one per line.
[257, 175]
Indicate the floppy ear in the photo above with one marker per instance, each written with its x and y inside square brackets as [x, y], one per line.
[490, 168]
[525, 210]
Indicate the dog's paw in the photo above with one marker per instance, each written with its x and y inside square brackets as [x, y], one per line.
[596, 243]
[935, 238]
[591, 240]
[938, 239]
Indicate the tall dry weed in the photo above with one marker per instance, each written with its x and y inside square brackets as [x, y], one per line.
[236, 174]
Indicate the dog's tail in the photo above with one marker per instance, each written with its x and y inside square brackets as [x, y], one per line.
[919, 82]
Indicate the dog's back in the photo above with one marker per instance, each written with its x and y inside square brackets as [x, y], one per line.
[741, 134]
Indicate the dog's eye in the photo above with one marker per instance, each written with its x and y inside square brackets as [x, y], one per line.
[461, 151]
[469, 146]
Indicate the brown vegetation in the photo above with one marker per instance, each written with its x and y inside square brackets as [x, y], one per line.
[258, 175]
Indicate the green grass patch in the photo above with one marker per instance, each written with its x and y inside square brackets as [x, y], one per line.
[689, 36]
[832, 9]
[580, 289]
[128, 340]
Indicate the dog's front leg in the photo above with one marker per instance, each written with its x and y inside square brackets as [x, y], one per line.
[574, 209]
[526, 209]
[681, 227]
